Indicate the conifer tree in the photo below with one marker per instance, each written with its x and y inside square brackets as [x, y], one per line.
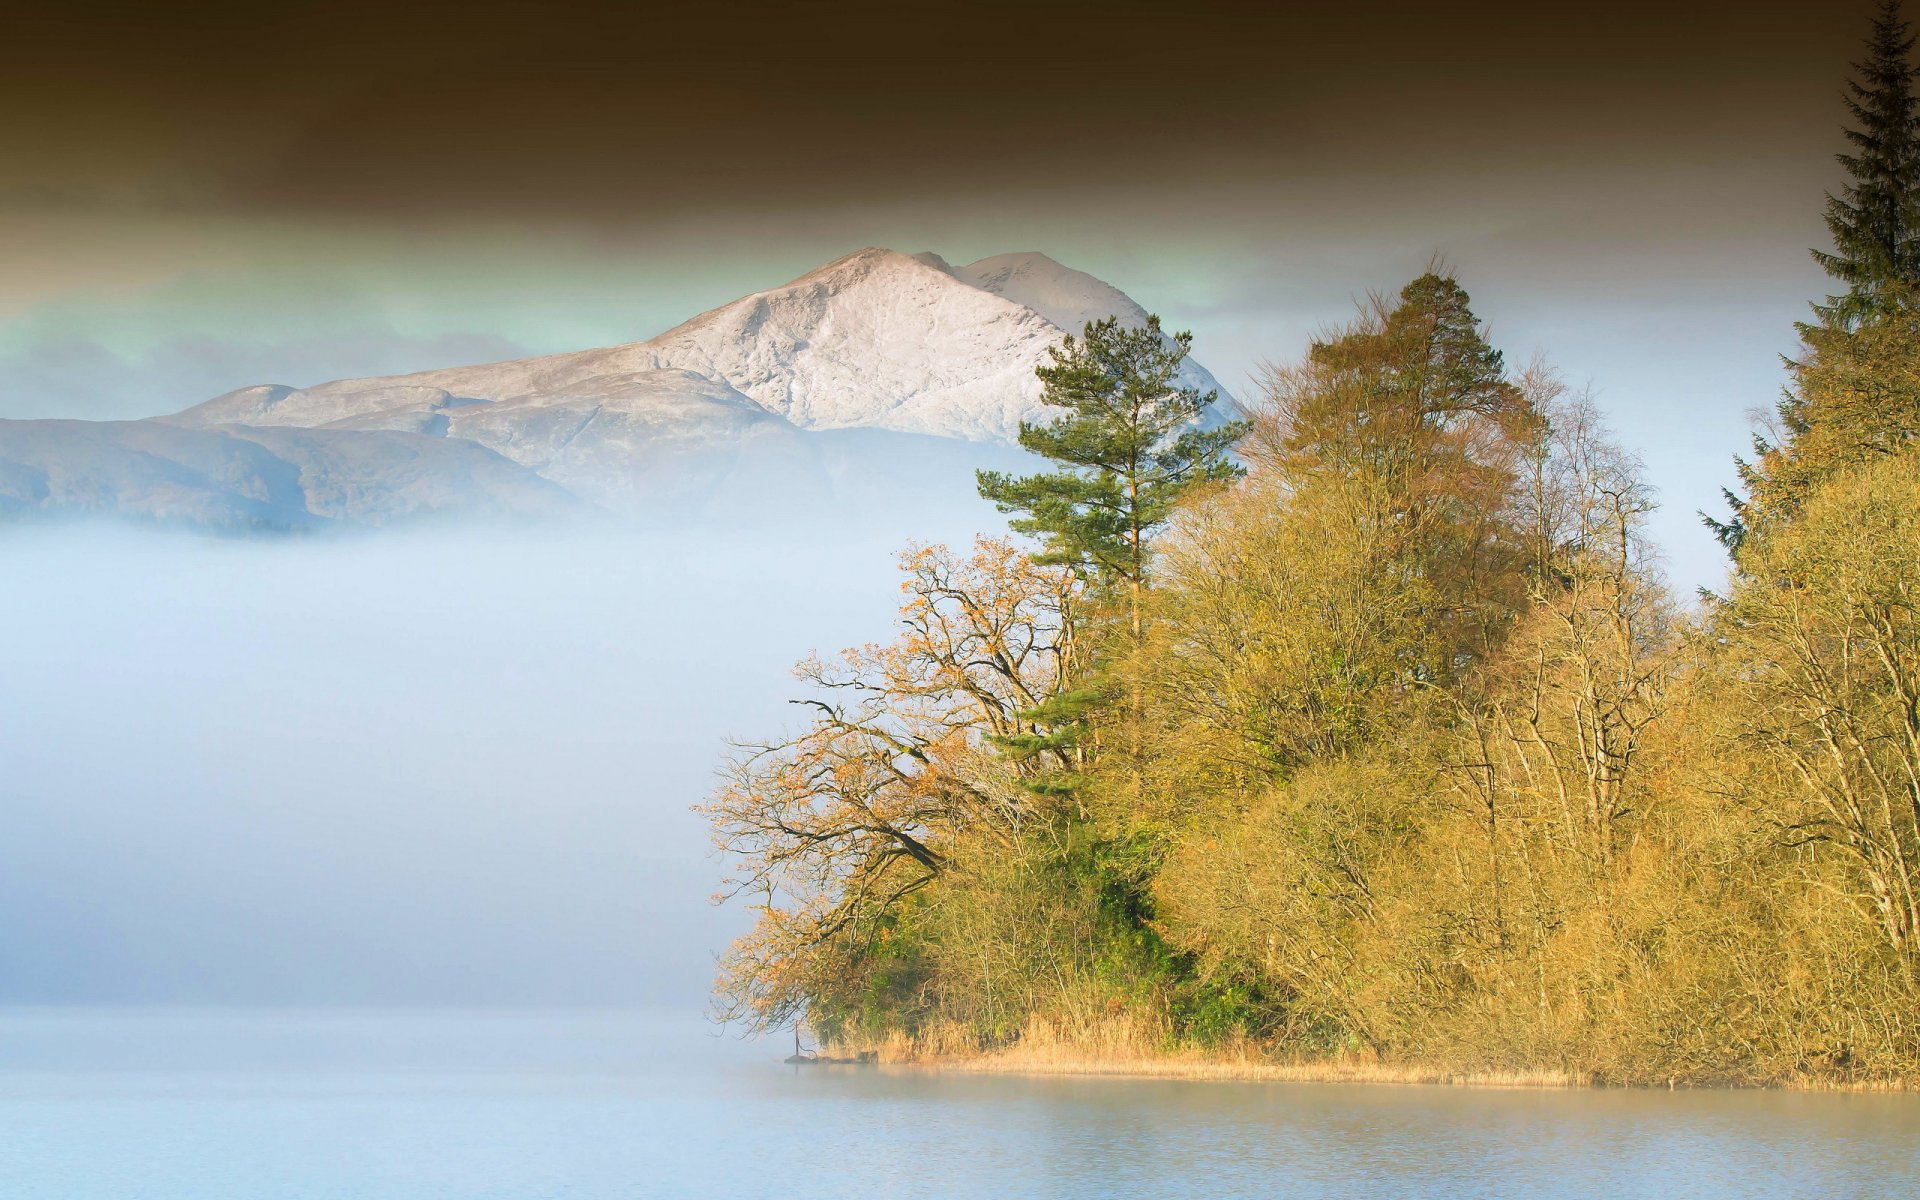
[1875, 220]
[1128, 445]
[1850, 396]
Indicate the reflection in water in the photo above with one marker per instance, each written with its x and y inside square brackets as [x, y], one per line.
[402, 1105]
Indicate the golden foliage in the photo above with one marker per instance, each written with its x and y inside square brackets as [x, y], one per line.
[1421, 772]
[833, 828]
[1822, 659]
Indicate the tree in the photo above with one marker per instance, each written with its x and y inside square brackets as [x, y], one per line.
[1284, 631]
[1129, 446]
[1875, 220]
[1847, 355]
[834, 828]
[1286, 890]
[1854, 401]
[1588, 667]
[1412, 398]
[1821, 661]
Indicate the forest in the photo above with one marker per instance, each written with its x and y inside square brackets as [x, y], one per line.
[1362, 729]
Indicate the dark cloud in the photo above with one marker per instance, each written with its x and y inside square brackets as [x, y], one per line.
[610, 114]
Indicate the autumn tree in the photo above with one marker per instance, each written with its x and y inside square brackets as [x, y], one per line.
[1586, 671]
[1822, 664]
[1281, 899]
[1374, 797]
[1545, 762]
[1287, 629]
[833, 828]
[1413, 398]
[1372, 555]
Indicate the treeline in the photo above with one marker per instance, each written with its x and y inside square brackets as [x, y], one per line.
[1366, 729]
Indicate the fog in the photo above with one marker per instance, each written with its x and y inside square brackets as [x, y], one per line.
[427, 767]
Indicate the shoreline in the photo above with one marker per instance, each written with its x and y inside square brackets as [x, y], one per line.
[1253, 1070]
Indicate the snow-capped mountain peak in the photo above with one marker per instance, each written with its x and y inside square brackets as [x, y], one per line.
[876, 339]
[778, 384]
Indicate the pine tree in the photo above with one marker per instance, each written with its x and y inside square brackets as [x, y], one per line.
[1129, 445]
[1834, 411]
[1875, 220]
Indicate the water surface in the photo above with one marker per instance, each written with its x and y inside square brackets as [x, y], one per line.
[380, 1105]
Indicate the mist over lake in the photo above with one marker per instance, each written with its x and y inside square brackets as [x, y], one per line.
[306, 781]
[441, 766]
[374, 1104]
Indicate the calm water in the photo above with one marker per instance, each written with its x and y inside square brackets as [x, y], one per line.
[359, 1106]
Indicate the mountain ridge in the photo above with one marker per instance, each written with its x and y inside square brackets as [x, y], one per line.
[875, 340]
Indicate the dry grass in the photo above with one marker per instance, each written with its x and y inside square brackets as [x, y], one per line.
[1017, 1062]
[1124, 1048]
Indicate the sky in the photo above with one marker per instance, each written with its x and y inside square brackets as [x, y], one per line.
[430, 768]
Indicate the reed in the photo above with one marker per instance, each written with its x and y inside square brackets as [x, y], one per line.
[1128, 1047]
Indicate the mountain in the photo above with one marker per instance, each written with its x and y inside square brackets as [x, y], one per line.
[242, 478]
[803, 392]
[1067, 298]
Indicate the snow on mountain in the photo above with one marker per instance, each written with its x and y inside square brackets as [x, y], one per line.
[1070, 299]
[877, 341]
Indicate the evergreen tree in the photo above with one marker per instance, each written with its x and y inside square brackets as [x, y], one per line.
[1129, 445]
[1837, 407]
[1854, 400]
[1875, 220]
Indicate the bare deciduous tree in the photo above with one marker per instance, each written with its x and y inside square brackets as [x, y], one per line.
[830, 829]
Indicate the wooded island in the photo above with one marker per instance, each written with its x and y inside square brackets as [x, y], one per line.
[1363, 731]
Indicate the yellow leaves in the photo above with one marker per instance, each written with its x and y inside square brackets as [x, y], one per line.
[1279, 632]
[1453, 787]
[1822, 654]
[1584, 677]
[835, 826]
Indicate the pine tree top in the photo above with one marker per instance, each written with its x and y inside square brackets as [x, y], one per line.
[1875, 218]
[1129, 442]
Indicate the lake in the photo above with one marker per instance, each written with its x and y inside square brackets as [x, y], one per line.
[404, 1105]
